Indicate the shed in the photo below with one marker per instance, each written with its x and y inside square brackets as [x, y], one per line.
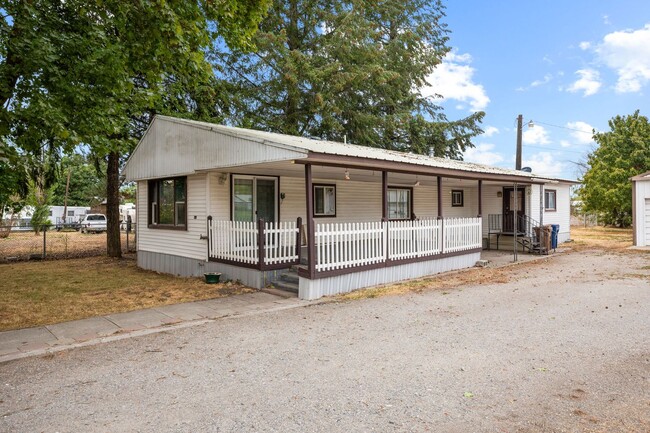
[641, 209]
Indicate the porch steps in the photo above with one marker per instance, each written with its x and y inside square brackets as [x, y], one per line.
[288, 281]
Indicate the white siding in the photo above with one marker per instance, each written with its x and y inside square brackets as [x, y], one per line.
[172, 148]
[642, 212]
[185, 243]
[562, 214]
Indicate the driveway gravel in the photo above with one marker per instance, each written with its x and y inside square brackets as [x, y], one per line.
[564, 346]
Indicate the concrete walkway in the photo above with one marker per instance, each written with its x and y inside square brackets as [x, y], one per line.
[22, 343]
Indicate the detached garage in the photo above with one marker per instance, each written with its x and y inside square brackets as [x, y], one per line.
[641, 209]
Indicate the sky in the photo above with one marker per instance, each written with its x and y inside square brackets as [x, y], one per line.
[569, 66]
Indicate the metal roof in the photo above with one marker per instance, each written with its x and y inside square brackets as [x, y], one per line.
[356, 151]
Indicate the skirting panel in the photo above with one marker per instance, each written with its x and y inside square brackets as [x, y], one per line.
[186, 267]
[314, 289]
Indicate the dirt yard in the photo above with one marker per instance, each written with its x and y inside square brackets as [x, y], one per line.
[20, 246]
[558, 345]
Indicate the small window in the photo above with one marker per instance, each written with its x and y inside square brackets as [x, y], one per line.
[324, 200]
[168, 203]
[549, 199]
[70, 213]
[457, 198]
[51, 213]
[399, 203]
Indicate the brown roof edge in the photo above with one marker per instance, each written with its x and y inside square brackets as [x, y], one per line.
[642, 176]
[324, 159]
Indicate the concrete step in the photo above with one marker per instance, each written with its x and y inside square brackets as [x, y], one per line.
[290, 277]
[286, 286]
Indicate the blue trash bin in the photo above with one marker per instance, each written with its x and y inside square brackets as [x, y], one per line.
[555, 229]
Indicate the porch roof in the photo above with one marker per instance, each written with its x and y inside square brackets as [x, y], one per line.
[269, 146]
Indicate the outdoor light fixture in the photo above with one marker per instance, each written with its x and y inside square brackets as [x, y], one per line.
[417, 182]
[531, 123]
[347, 174]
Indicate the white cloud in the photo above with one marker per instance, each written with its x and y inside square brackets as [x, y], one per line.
[535, 135]
[490, 131]
[585, 45]
[546, 80]
[565, 143]
[628, 53]
[483, 154]
[453, 79]
[580, 132]
[544, 164]
[589, 82]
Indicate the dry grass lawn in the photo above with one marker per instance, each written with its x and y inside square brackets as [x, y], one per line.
[608, 238]
[38, 293]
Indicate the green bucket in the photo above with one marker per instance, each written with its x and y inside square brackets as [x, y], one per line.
[212, 277]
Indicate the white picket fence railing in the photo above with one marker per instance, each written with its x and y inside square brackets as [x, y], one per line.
[280, 242]
[462, 234]
[419, 238]
[238, 241]
[345, 245]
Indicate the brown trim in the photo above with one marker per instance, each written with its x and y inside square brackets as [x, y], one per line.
[411, 208]
[311, 229]
[550, 209]
[480, 198]
[324, 159]
[462, 197]
[439, 189]
[235, 263]
[384, 195]
[385, 264]
[333, 185]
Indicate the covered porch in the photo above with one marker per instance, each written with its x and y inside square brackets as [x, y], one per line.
[345, 223]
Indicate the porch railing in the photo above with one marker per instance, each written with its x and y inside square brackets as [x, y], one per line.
[340, 246]
[262, 245]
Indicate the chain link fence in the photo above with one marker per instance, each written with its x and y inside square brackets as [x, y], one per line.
[56, 242]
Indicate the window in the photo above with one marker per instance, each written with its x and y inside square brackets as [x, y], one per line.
[324, 200]
[457, 199]
[70, 213]
[168, 203]
[549, 199]
[399, 203]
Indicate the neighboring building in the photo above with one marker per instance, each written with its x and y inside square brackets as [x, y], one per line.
[641, 209]
[360, 216]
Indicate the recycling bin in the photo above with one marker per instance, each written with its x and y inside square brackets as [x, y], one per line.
[554, 233]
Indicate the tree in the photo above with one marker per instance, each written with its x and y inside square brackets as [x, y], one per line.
[13, 186]
[92, 72]
[348, 69]
[622, 153]
[87, 181]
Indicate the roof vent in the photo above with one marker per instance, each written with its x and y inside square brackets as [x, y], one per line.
[527, 169]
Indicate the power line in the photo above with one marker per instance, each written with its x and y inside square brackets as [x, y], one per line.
[556, 148]
[563, 127]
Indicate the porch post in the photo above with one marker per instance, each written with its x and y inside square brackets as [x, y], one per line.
[439, 182]
[480, 198]
[384, 195]
[311, 230]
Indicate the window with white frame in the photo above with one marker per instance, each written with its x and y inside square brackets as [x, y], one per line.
[324, 200]
[550, 196]
[457, 198]
[399, 203]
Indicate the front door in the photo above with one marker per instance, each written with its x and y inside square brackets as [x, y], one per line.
[254, 197]
[509, 209]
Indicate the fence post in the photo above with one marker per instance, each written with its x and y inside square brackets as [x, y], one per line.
[44, 227]
[384, 223]
[298, 240]
[442, 235]
[209, 227]
[260, 243]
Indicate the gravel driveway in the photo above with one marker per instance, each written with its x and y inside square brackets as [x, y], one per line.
[563, 346]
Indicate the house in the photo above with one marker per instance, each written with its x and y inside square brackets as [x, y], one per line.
[253, 204]
[641, 209]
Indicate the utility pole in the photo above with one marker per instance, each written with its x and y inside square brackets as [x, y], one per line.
[65, 200]
[520, 126]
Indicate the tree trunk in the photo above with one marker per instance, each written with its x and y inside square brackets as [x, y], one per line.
[113, 244]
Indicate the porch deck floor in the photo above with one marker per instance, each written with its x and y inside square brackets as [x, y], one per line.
[497, 258]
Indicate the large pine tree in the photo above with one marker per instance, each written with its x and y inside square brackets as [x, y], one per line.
[338, 68]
